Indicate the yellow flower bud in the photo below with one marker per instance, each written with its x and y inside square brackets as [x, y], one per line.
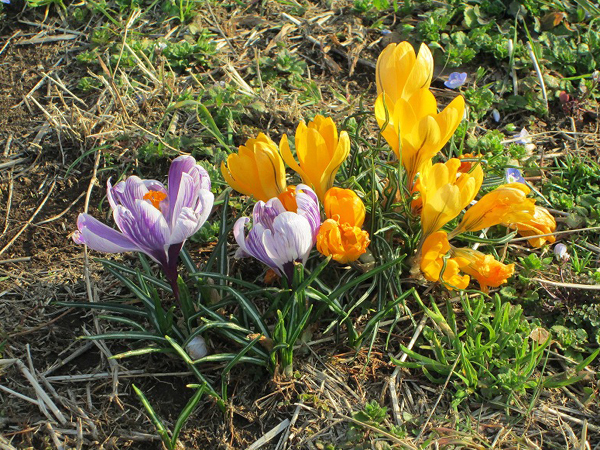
[257, 169]
[320, 153]
[344, 206]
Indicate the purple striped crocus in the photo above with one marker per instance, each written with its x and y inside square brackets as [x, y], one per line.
[280, 238]
[153, 219]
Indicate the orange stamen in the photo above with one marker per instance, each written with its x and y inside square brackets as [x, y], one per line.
[155, 198]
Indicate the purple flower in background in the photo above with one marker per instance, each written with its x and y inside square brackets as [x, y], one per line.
[153, 219]
[456, 79]
[514, 176]
[5, 1]
[280, 238]
[523, 137]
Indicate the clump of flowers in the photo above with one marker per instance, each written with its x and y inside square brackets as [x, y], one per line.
[258, 170]
[407, 114]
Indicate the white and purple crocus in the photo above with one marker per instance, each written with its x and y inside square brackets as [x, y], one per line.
[280, 238]
[153, 219]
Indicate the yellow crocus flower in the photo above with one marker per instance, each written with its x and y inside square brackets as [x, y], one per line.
[400, 73]
[320, 153]
[435, 247]
[445, 193]
[506, 204]
[542, 222]
[344, 242]
[414, 129]
[484, 268]
[257, 169]
[344, 206]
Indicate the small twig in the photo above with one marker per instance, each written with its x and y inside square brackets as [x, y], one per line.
[8, 41]
[594, 428]
[36, 386]
[29, 222]
[286, 436]
[9, 201]
[63, 212]
[554, 234]
[589, 287]
[19, 395]
[269, 435]
[57, 443]
[103, 375]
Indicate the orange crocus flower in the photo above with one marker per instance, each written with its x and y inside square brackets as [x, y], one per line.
[542, 222]
[484, 268]
[344, 242]
[506, 204]
[434, 248]
[344, 206]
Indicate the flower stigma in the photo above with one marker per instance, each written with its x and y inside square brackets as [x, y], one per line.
[155, 197]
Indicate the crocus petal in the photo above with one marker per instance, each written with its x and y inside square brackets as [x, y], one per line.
[319, 151]
[179, 166]
[290, 241]
[308, 207]
[101, 237]
[257, 169]
[346, 205]
[484, 268]
[265, 213]
[186, 197]
[185, 226]
[146, 226]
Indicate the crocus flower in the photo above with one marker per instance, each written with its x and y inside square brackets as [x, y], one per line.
[456, 79]
[414, 129]
[257, 169]
[320, 153]
[444, 194]
[434, 248]
[406, 110]
[344, 242]
[280, 238]
[514, 176]
[153, 219]
[484, 268]
[472, 263]
[340, 235]
[507, 204]
[400, 73]
[541, 222]
[344, 206]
